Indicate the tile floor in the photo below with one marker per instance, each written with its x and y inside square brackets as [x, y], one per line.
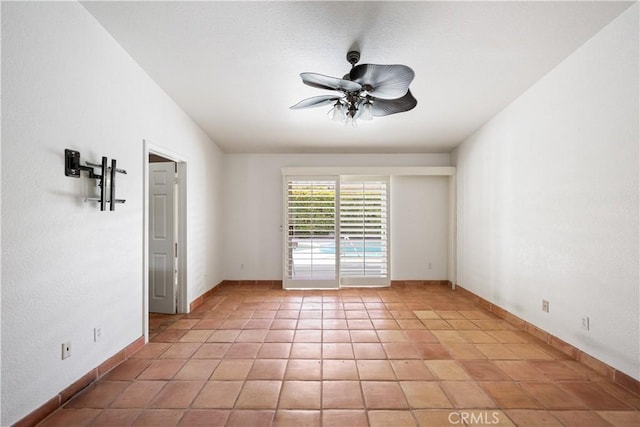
[401, 356]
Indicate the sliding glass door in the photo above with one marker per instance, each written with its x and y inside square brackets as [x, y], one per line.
[311, 249]
[364, 232]
[337, 232]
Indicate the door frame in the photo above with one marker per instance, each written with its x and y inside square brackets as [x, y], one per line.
[182, 305]
[339, 281]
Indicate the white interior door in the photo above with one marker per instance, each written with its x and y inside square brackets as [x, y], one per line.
[162, 238]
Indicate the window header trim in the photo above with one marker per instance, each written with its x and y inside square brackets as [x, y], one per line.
[371, 171]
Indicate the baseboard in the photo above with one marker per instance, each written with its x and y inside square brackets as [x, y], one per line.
[87, 379]
[250, 284]
[418, 283]
[277, 284]
[238, 284]
[573, 352]
[200, 299]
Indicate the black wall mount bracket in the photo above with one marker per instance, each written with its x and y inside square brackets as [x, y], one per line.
[106, 178]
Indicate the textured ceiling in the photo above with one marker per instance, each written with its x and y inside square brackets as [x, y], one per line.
[234, 66]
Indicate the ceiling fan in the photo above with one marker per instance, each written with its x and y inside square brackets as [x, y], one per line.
[368, 90]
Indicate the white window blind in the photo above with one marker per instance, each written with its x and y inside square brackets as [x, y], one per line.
[311, 224]
[364, 231]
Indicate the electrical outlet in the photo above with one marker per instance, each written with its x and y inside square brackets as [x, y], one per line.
[545, 305]
[585, 323]
[429, 266]
[66, 350]
[97, 334]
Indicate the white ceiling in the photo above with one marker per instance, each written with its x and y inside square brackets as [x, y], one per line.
[234, 66]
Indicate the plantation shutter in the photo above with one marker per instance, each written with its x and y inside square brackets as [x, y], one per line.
[311, 252]
[364, 242]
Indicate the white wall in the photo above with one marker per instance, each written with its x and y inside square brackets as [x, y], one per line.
[419, 227]
[253, 207]
[548, 200]
[67, 267]
[0, 250]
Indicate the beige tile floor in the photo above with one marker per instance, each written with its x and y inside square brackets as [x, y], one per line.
[401, 356]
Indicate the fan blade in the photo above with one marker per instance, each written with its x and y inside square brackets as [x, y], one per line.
[315, 101]
[332, 83]
[385, 81]
[384, 107]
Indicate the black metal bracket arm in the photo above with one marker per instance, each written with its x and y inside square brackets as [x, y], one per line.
[106, 178]
[72, 166]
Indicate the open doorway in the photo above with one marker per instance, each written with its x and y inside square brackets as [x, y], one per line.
[164, 290]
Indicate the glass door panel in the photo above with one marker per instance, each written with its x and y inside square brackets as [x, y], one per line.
[311, 249]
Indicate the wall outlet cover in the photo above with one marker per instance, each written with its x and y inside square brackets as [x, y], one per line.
[66, 350]
[545, 306]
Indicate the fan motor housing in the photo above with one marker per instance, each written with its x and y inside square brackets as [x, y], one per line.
[353, 57]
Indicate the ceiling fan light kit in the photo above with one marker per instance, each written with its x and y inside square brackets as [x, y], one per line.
[368, 90]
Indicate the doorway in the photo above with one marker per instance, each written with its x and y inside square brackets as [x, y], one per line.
[165, 254]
